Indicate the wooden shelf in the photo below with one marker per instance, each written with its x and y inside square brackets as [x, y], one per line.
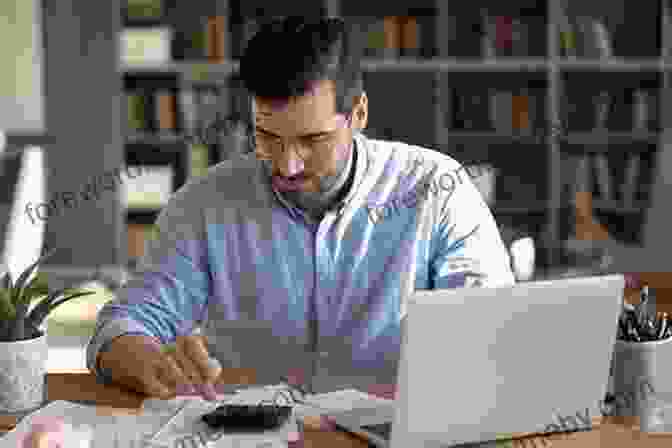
[20, 139]
[610, 138]
[614, 64]
[193, 70]
[617, 207]
[490, 137]
[155, 139]
[185, 68]
[504, 208]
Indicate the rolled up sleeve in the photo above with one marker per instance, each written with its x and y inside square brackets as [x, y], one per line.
[168, 295]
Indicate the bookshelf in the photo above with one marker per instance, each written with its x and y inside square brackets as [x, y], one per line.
[547, 63]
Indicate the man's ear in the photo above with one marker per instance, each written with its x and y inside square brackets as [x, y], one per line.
[360, 112]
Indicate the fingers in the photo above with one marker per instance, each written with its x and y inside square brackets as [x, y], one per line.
[158, 377]
[188, 366]
[193, 353]
[171, 374]
[184, 367]
[155, 386]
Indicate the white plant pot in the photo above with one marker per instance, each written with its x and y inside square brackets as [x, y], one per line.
[23, 366]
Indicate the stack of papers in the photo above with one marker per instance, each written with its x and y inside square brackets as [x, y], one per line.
[171, 423]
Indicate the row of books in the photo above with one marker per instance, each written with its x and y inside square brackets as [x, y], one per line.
[522, 111]
[185, 110]
[400, 36]
[162, 44]
[625, 182]
[501, 111]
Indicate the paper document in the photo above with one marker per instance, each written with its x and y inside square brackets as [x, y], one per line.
[187, 424]
[86, 426]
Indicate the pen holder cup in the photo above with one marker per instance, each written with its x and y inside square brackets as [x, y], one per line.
[642, 380]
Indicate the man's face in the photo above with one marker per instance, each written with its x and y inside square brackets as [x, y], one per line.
[304, 127]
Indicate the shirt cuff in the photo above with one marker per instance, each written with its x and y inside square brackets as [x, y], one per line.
[103, 338]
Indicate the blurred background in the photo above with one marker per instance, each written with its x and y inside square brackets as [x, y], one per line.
[552, 103]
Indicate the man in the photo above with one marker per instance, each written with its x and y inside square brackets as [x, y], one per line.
[298, 259]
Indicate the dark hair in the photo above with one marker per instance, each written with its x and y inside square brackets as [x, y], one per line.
[288, 54]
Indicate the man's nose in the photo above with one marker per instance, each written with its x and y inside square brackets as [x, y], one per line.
[289, 163]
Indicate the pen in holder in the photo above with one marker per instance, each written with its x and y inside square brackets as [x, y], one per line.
[642, 363]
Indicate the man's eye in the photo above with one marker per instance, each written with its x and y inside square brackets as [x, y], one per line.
[314, 141]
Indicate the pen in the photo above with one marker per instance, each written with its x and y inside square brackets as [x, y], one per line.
[663, 326]
[182, 406]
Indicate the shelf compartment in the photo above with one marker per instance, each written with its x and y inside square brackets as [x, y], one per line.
[145, 216]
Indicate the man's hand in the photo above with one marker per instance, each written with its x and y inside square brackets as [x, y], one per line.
[142, 364]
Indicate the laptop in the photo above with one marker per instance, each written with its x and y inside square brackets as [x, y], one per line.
[488, 364]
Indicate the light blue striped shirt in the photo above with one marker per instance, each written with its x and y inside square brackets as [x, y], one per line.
[234, 258]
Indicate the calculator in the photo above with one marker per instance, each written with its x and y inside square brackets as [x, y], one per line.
[247, 418]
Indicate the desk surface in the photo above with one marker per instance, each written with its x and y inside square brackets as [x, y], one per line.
[82, 386]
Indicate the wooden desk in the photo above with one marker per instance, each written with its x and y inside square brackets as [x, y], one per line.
[81, 385]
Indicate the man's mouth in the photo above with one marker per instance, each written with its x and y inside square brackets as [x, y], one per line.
[291, 183]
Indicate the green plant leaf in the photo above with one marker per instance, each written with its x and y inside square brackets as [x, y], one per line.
[46, 306]
[7, 310]
[19, 286]
[38, 287]
[7, 281]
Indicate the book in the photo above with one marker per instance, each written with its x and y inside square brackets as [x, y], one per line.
[146, 45]
[144, 9]
[216, 38]
[520, 37]
[644, 110]
[593, 38]
[567, 38]
[602, 106]
[603, 176]
[187, 99]
[392, 37]
[136, 235]
[208, 108]
[582, 175]
[520, 114]
[501, 112]
[199, 159]
[409, 36]
[630, 182]
[152, 190]
[165, 110]
[488, 34]
[374, 37]
[503, 35]
[137, 118]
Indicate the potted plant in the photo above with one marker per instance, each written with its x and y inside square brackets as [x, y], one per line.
[23, 340]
